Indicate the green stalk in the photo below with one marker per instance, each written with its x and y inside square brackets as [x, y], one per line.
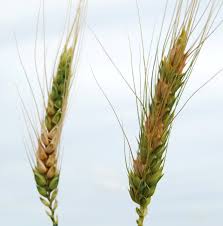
[142, 212]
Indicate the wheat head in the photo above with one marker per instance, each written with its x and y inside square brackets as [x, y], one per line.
[46, 170]
[157, 116]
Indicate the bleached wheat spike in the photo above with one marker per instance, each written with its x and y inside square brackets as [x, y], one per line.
[158, 105]
[46, 164]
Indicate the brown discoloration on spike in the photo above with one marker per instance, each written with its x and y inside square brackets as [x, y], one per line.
[53, 133]
[139, 167]
[50, 148]
[165, 89]
[41, 166]
[162, 90]
[44, 138]
[47, 153]
[51, 172]
[41, 154]
[51, 160]
[147, 167]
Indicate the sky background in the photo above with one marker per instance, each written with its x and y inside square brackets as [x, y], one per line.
[94, 185]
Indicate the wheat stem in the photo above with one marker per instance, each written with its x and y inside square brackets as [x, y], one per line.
[142, 212]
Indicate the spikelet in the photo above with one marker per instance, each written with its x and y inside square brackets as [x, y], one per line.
[156, 119]
[46, 171]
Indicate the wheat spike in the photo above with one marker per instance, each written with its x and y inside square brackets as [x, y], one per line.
[46, 169]
[157, 117]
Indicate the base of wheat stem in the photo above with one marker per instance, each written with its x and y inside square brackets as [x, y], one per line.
[142, 212]
[52, 212]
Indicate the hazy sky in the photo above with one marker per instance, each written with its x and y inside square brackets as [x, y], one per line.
[93, 186]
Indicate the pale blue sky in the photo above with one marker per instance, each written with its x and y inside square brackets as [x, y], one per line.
[93, 186]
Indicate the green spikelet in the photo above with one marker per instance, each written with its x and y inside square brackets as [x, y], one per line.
[60, 88]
